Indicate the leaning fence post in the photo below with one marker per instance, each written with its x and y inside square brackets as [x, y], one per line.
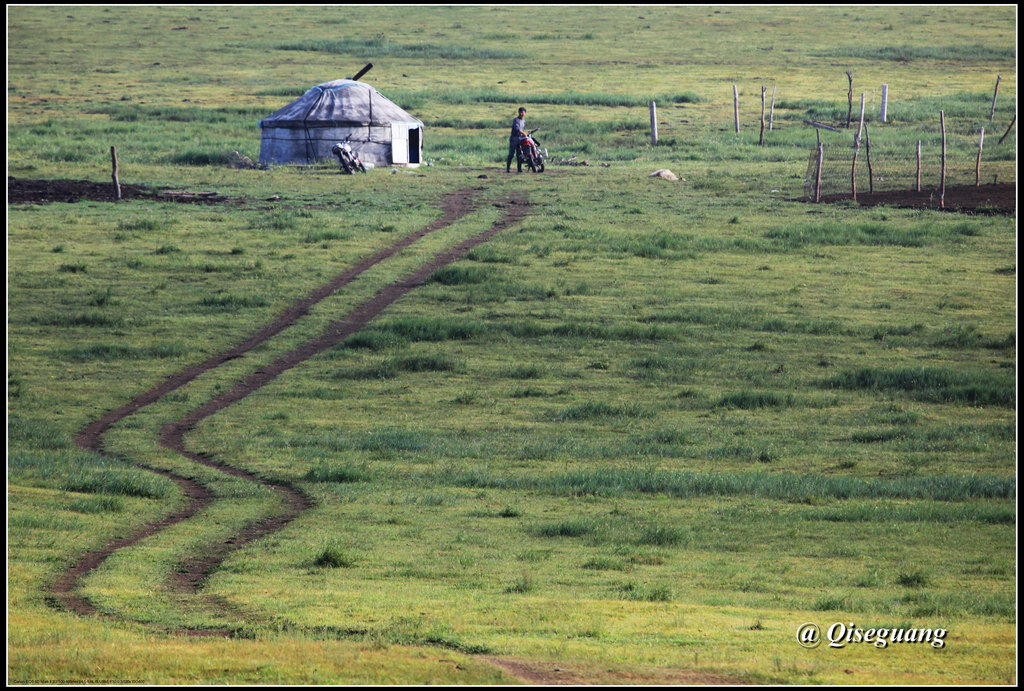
[771, 111]
[736, 107]
[654, 123]
[942, 182]
[977, 166]
[1012, 123]
[113, 174]
[995, 95]
[849, 97]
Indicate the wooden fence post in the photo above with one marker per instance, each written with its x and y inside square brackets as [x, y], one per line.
[654, 123]
[856, 150]
[918, 165]
[867, 151]
[942, 177]
[113, 175]
[849, 96]
[771, 112]
[764, 90]
[736, 107]
[821, 160]
[1012, 123]
[977, 166]
[995, 95]
[885, 101]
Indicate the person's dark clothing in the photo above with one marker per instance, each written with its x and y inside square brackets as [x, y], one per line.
[517, 135]
[518, 128]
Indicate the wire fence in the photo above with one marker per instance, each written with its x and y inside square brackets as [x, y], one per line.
[890, 169]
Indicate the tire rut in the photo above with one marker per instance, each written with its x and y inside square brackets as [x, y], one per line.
[192, 573]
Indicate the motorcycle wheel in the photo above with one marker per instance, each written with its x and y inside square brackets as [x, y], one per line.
[346, 166]
[540, 165]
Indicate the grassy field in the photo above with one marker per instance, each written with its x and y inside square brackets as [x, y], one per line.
[640, 436]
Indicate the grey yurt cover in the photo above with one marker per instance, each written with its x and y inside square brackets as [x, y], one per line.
[305, 130]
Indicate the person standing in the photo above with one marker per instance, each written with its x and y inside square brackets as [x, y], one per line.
[517, 135]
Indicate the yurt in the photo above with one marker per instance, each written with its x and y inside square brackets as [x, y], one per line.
[378, 130]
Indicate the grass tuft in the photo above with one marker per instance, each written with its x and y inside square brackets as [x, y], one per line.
[570, 528]
[645, 592]
[333, 557]
[332, 472]
[599, 410]
[931, 384]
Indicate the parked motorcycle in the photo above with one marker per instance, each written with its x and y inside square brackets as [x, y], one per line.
[530, 153]
[348, 158]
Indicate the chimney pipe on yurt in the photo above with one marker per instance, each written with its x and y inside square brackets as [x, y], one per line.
[363, 71]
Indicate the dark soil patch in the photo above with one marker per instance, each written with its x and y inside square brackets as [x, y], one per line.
[70, 191]
[991, 199]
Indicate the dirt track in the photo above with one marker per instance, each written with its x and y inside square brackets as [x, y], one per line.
[197, 568]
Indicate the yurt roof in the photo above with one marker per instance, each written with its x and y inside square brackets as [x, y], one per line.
[341, 103]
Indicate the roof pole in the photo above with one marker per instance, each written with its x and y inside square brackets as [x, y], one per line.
[363, 71]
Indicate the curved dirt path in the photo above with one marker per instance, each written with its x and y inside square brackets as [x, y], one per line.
[195, 570]
[63, 593]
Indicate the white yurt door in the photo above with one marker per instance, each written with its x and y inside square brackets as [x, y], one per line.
[399, 143]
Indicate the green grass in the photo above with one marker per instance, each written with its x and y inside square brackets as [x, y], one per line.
[380, 47]
[931, 384]
[650, 429]
[908, 53]
[779, 486]
[117, 351]
[87, 473]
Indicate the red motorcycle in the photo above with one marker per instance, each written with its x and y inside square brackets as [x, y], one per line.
[529, 153]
